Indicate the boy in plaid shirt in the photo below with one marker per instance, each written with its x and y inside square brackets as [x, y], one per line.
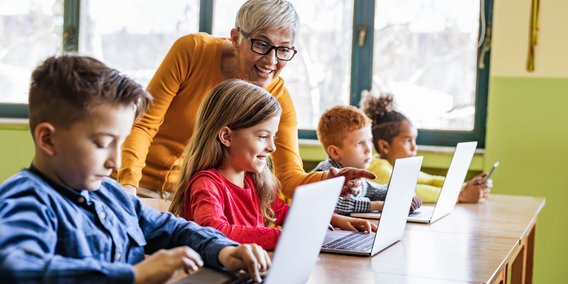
[345, 134]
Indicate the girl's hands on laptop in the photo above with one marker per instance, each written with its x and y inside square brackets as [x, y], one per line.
[248, 257]
[352, 224]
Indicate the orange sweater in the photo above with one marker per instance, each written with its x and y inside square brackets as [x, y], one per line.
[152, 154]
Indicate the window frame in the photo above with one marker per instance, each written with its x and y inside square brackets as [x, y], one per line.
[361, 69]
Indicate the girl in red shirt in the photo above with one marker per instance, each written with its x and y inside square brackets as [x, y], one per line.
[225, 181]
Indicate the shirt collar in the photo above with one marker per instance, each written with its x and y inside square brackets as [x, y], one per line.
[76, 196]
[334, 163]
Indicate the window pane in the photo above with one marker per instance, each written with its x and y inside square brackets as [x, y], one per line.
[224, 13]
[426, 55]
[318, 76]
[31, 30]
[133, 36]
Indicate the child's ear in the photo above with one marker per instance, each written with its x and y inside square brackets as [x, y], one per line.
[333, 152]
[225, 136]
[235, 37]
[43, 137]
[384, 147]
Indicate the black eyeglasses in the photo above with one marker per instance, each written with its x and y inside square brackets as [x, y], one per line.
[263, 48]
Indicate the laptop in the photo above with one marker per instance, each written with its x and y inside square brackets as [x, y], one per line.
[300, 240]
[450, 190]
[395, 211]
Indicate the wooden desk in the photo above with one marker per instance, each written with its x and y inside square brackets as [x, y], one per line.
[421, 257]
[506, 216]
[476, 243]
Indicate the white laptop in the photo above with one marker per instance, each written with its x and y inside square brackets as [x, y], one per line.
[300, 241]
[395, 211]
[450, 190]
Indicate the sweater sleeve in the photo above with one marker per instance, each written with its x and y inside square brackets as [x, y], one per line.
[429, 187]
[163, 87]
[427, 193]
[428, 179]
[288, 165]
[382, 169]
[207, 202]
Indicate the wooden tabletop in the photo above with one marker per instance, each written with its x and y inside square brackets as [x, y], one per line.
[471, 245]
[500, 216]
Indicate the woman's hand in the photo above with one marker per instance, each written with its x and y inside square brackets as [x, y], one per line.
[352, 224]
[352, 178]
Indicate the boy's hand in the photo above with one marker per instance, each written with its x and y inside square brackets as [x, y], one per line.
[249, 257]
[416, 203]
[476, 190]
[377, 205]
[351, 185]
[161, 266]
[352, 224]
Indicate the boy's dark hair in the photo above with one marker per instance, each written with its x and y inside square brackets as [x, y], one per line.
[65, 88]
[386, 121]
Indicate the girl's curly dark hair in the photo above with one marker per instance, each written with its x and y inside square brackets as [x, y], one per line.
[386, 120]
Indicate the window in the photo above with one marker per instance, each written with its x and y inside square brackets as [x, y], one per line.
[426, 52]
[318, 76]
[134, 36]
[30, 31]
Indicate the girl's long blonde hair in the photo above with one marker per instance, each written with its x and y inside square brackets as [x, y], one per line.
[236, 104]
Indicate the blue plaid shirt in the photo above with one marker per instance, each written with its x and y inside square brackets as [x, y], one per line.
[360, 203]
[52, 234]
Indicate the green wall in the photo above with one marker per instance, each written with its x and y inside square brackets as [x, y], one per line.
[16, 151]
[527, 132]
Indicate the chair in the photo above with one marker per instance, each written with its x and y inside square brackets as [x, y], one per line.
[158, 204]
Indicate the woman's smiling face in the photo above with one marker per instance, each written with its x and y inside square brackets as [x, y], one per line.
[262, 69]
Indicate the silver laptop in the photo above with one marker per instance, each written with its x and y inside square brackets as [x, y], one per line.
[450, 190]
[300, 241]
[395, 211]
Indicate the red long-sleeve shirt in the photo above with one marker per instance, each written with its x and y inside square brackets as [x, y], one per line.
[212, 200]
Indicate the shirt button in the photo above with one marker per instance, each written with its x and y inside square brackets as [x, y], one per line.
[81, 199]
[117, 257]
[102, 215]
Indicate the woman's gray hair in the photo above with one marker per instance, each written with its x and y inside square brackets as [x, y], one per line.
[267, 14]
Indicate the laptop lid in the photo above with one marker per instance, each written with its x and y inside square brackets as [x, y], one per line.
[303, 231]
[397, 202]
[454, 179]
[451, 188]
[395, 210]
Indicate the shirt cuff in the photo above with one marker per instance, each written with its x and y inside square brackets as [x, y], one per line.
[119, 272]
[211, 255]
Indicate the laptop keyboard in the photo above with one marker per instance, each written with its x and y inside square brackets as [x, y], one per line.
[354, 241]
[418, 214]
[421, 213]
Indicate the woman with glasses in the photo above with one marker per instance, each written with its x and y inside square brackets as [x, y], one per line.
[259, 47]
